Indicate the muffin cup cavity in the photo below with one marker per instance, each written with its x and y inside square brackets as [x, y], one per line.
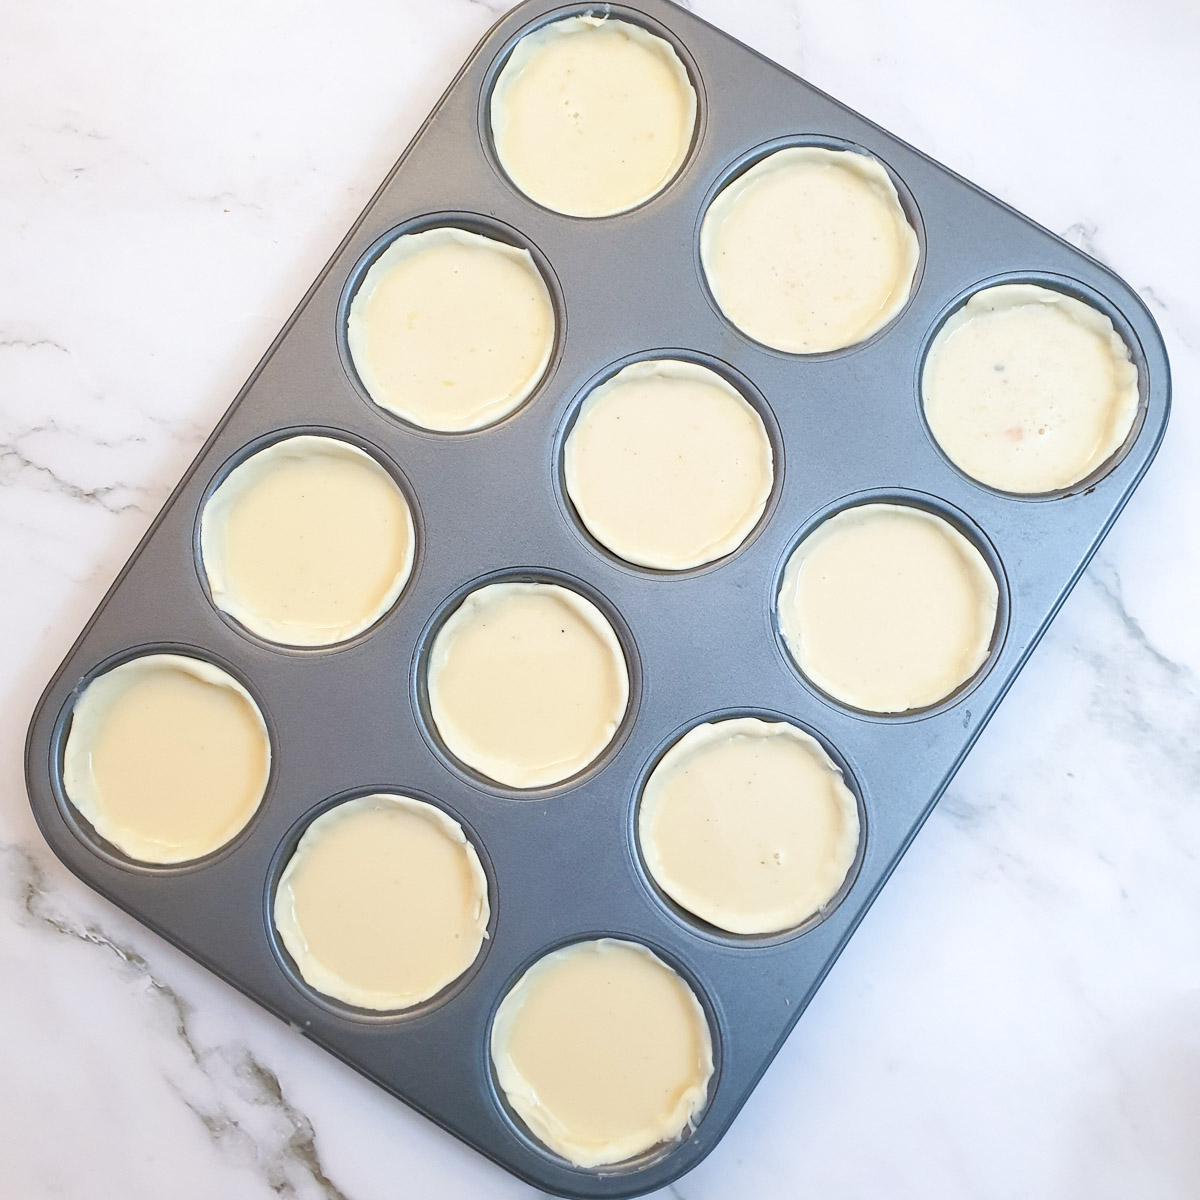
[252, 468]
[698, 925]
[420, 681]
[634, 1165]
[514, 58]
[83, 828]
[472, 227]
[879, 174]
[283, 856]
[381, 459]
[727, 375]
[1073, 290]
[961, 525]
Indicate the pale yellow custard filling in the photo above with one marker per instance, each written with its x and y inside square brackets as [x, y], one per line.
[749, 825]
[167, 756]
[592, 115]
[383, 902]
[668, 465]
[888, 607]
[451, 330]
[809, 250]
[527, 683]
[1029, 390]
[307, 542]
[603, 1051]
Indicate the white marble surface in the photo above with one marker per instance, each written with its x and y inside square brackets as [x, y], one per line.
[1019, 1015]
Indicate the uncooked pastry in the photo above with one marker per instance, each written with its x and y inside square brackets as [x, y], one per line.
[592, 115]
[603, 1051]
[748, 824]
[1029, 390]
[668, 465]
[167, 756]
[809, 250]
[307, 542]
[888, 607]
[527, 683]
[383, 902]
[451, 330]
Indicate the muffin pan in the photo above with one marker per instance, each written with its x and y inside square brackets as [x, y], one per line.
[562, 862]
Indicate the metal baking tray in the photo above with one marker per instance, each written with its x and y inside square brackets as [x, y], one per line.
[562, 863]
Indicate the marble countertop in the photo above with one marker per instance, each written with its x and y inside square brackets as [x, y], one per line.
[1019, 1014]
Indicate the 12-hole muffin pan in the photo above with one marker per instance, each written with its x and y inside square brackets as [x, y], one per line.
[460, 558]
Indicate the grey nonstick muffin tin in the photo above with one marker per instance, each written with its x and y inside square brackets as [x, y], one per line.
[562, 863]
